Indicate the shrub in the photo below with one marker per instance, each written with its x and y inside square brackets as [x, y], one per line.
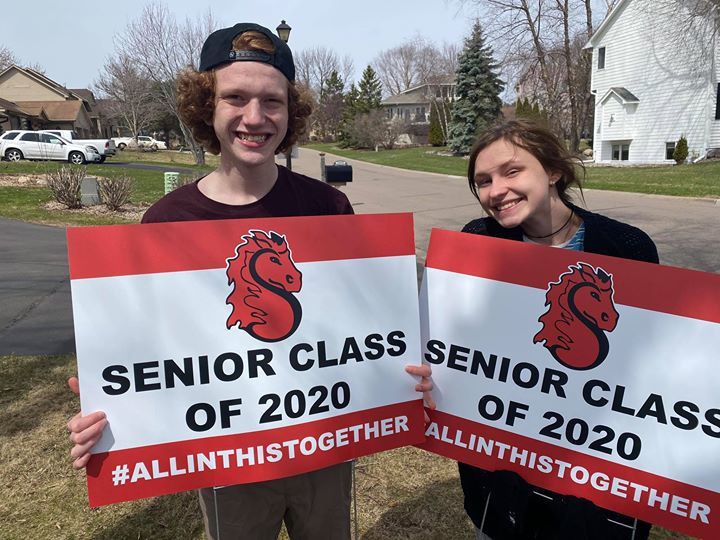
[115, 192]
[681, 150]
[65, 182]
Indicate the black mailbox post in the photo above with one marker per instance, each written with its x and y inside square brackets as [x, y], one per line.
[338, 173]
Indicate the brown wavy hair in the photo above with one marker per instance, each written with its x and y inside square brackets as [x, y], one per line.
[542, 144]
[196, 99]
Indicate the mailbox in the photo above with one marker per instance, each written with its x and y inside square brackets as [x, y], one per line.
[338, 173]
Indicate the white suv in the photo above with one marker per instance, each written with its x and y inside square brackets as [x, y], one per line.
[20, 144]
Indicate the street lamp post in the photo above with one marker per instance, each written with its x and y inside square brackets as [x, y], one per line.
[283, 32]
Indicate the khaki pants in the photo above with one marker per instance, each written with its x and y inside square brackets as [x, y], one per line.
[314, 505]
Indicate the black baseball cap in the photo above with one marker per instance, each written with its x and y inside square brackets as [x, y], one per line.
[218, 50]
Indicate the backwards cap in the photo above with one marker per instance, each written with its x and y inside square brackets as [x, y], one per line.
[218, 50]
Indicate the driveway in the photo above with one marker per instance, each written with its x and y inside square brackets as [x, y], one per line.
[36, 316]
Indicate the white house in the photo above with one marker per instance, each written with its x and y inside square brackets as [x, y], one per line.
[654, 81]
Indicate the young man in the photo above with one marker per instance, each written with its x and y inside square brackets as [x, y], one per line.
[243, 104]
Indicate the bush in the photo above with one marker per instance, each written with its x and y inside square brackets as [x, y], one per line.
[65, 182]
[681, 150]
[115, 192]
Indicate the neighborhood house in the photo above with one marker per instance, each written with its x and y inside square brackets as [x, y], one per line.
[654, 79]
[30, 100]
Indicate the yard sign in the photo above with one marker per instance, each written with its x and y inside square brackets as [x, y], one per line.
[227, 352]
[587, 375]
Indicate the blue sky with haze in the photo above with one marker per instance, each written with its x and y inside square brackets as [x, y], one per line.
[72, 40]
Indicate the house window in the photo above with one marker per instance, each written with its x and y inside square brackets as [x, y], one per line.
[669, 150]
[601, 58]
[717, 103]
[620, 152]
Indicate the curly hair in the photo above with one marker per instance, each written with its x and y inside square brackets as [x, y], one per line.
[196, 100]
[541, 143]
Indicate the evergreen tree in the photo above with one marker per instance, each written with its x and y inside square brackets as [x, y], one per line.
[435, 135]
[348, 117]
[369, 92]
[478, 88]
[331, 107]
[681, 152]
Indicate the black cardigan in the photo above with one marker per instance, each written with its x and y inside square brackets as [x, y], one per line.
[603, 235]
[513, 511]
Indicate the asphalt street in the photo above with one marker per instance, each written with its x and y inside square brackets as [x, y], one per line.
[36, 314]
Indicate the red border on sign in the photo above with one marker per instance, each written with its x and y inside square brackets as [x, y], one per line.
[676, 291]
[121, 250]
[448, 448]
[100, 469]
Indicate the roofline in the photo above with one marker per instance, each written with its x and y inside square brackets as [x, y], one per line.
[45, 81]
[608, 21]
[612, 90]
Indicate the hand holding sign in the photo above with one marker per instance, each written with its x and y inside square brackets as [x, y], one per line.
[85, 431]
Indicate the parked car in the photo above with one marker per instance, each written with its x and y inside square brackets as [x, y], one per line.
[23, 144]
[104, 147]
[143, 141]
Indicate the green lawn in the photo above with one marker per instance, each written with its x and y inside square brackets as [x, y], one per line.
[700, 180]
[26, 203]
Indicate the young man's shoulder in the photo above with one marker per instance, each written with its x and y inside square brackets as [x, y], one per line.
[303, 195]
[183, 203]
[293, 194]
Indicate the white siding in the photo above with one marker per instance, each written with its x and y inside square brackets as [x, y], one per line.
[714, 137]
[673, 84]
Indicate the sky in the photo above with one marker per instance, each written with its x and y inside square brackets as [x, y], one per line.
[72, 40]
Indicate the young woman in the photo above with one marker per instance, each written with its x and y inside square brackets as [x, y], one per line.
[522, 174]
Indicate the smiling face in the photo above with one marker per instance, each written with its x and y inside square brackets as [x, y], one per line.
[515, 189]
[251, 113]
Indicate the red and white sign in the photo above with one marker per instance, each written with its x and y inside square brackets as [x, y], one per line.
[228, 352]
[587, 375]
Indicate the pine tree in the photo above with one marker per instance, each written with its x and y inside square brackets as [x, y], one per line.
[435, 135]
[680, 153]
[369, 92]
[478, 88]
[348, 117]
[331, 107]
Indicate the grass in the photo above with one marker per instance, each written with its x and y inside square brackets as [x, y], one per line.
[26, 204]
[699, 180]
[416, 159]
[402, 494]
[162, 157]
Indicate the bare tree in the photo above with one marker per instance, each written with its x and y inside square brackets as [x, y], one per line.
[415, 62]
[314, 66]
[129, 94]
[7, 58]
[161, 47]
[538, 43]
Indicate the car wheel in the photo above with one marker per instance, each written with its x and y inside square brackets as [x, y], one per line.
[13, 154]
[76, 158]
[122, 146]
[102, 159]
[154, 148]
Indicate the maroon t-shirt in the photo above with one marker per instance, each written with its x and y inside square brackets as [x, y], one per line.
[292, 195]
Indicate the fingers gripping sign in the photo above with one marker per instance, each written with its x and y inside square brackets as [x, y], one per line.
[85, 431]
[425, 385]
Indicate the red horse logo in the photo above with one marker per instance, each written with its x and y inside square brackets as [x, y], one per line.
[580, 311]
[264, 277]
